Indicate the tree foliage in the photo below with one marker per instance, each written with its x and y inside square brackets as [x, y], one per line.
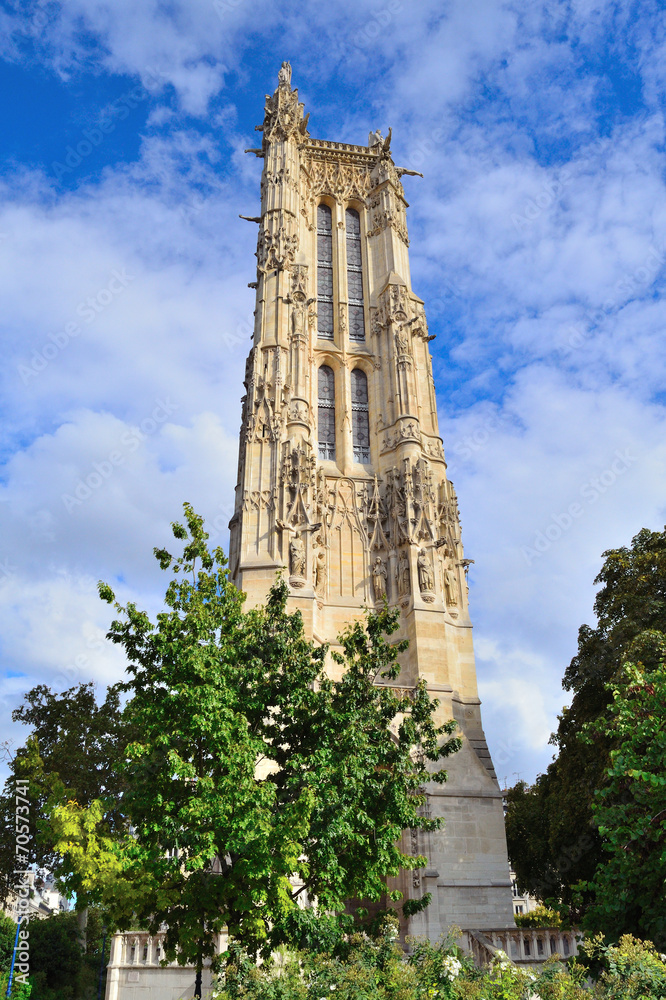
[254, 778]
[59, 968]
[630, 810]
[73, 751]
[555, 841]
[7, 938]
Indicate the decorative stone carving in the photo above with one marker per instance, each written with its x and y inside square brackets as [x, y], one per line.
[298, 468]
[299, 411]
[402, 344]
[299, 277]
[297, 551]
[320, 571]
[258, 500]
[450, 584]
[376, 325]
[284, 74]
[275, 249]
[426, 577]
[379, 576]
[297, 319]
[297, 559]
[283, 115]
[341, 178]
[404, 575]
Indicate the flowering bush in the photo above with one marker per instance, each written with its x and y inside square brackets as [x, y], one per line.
[630, 970]
[377, 969]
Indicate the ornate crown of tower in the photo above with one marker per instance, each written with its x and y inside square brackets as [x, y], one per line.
[342, 476]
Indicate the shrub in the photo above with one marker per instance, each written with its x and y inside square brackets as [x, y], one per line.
[20, 991]
[377, 969]
[540, 916]
[630, 970]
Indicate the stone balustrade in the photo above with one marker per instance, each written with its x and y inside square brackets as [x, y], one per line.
[137, 970]
[138, 949]
[523, 945]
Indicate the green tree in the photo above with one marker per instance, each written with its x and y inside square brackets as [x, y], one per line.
[7, 938]
[73, 751]
[630, 810]
[56, 960]
[256, 778]
[554, 841]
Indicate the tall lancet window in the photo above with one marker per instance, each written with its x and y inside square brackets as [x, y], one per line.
[324, 272]
[354, 275]
[360, 417]
[326, 413]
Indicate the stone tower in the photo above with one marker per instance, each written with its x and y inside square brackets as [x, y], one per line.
[342, 477]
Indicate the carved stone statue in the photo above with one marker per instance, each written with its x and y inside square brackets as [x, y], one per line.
[297, 558]
[379, 575]
[402, 343]
[320, 571]
[297, 555]
[297, 319]
[284, 74]
[450, 584]
[426, 575]
[404, 576]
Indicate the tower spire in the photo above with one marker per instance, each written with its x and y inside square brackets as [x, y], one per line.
[342, 478]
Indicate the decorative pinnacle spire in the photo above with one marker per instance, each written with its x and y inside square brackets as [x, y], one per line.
[283, 114]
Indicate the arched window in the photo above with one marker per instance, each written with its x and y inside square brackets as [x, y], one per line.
[360, 416]
[324, 272]
[354, 275]
[326, 412]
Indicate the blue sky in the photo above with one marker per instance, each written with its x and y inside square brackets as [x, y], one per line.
[538, 242]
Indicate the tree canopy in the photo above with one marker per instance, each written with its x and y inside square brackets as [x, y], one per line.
[629, 888]
[74, 749]
[557, 830]
[253, 780]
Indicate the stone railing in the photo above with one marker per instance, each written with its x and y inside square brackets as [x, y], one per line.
[523, 945]
[137, 949]
[135, 968]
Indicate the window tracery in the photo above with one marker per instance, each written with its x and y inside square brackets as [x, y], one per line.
[325, 272]
[360, 416]
[326, 412]
[354, 275]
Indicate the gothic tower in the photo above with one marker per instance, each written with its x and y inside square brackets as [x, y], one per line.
[342, 477]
